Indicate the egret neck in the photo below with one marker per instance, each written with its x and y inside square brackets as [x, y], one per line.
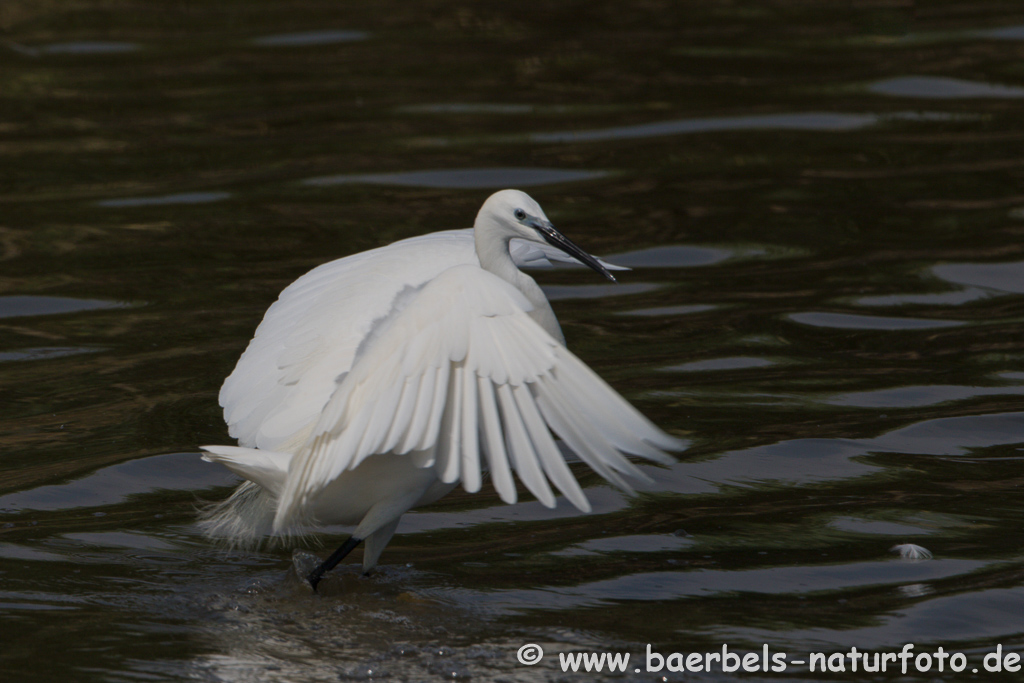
[492, 248]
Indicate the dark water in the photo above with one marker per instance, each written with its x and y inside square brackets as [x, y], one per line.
[823, 204]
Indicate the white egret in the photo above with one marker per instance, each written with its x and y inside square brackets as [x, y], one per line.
[380, 381]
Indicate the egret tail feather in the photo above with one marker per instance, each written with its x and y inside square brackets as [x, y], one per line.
[245, 520]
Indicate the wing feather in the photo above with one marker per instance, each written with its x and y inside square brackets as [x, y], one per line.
[463, 377]
[449, 438]
[471, 479]
[400, 420]
[618, 421]
[311, 334]
[589, 433]
[524, 457]
[437, 407]
[547, 452]
[494, 442]
[555, 416]
[421, 413]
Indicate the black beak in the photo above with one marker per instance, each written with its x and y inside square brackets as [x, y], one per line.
[557, 239]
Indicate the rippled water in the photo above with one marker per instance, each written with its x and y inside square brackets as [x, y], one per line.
[822, 207]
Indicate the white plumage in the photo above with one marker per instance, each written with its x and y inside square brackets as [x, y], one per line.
[380, 381]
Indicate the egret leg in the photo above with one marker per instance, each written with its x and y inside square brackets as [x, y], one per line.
[375, 544]
[332, 561]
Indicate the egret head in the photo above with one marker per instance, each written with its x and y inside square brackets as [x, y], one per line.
[517, 215]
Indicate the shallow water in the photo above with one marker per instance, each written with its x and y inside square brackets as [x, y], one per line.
[822, 208]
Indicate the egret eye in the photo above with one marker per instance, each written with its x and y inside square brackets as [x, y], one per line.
[519, 214]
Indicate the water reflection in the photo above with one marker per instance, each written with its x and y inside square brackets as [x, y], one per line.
[1003, 277]
[95, 47]
[1011, 375]
[794, 462]
[12, 551]
[985, 615]
[162, 200]
[19, 306]
[310, 38]
[916, 396]
[44, 353]
[809, 121]
[868, 322]
[1005, 33]
[466, 178]
[877, 527]
[733, 363]
[502, 108]
[952, 435]
[803, 461]
[470, 108]
[561, 292]
[603, 500]
[650, 543]
[670, 256]
[669, 310]
[673, 585]
[935, 87]
[120, 540]
[806, 121]
[111, 485]
[955, 298]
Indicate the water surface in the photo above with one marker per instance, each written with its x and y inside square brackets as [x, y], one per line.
[936, 87]
[821, 204]
[466, 179]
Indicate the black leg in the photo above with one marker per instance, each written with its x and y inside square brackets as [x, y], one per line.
[332, 561]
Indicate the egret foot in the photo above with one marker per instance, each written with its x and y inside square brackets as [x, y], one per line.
[332, 561]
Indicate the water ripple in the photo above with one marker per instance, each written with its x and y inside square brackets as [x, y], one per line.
[561, 292]
[94, 47]
[465, 178]
[810, 121]
[1004, 33]
[163, 200]
[310, 38]
[20, 306]
[868, 322]
[956, 298]
[44, 353]
[669, 310]
[676, 585]
[670, 256]
[733, 363]
[111, 485]
[935, 87]
[917, 396]
[1003, 277]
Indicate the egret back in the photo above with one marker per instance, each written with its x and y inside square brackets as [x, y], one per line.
[309, 336]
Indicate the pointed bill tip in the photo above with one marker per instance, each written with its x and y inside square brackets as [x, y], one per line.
[557, 239]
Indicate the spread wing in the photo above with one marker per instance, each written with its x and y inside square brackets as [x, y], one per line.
[463, 373]
[310, 335]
